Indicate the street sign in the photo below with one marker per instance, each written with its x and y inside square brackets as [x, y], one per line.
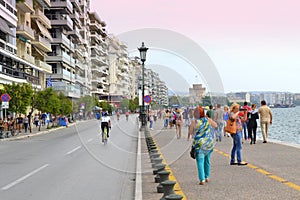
[147, 99]
[5, 97]
[82, 105]
[5, 104]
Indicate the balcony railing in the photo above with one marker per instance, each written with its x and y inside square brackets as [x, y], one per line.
[28, 58]
[61, 19]
[9, 7]
[42, 40]
[26, 29]
[8, 47]
[43, 65]
[40, 15]
[62, 4]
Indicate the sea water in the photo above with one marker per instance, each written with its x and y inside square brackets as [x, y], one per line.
[285, 127]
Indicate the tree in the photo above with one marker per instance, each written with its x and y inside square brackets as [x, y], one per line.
[21, 95]
[124, 105]
[174, 100]
[65, 104]
[89, 102]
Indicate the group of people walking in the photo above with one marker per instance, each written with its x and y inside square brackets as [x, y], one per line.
[206, 128]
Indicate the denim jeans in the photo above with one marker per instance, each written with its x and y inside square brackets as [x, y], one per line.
[166, 123]
[219, 131]
[237, 147]
[203, 165]
[245, 130]
[151, 124]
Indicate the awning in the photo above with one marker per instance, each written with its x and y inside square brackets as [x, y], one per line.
[44, 30]
[39, 51]
[5, 28]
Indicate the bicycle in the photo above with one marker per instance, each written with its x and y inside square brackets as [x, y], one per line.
[104, 136]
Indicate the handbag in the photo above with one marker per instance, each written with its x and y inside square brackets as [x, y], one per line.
[231, 126]
[193, 152]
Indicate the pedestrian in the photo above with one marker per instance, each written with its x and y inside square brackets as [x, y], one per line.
[26, 123]
[185, 116]
[166, 117]
[178, 123]
[242, 113]
[191, 130]
[151, 119]
[219, 119]
[172, 118]
[36, 120]
[252, 123]
[19, 123]
[226, 117]
[266, 118]
[203, 143]
[238, 136]
[245, 123]
[67, 121]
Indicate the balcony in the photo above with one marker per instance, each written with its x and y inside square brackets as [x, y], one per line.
[75, 32]
[42, 43]
[61, 58]
[47, 68]
[75, 17]
[61, 20]
[28, 58]
[38, 14]
[67, 89]
[9, 12]
[63, 4]
[8, 47]
[62, 39]
[25, 31]
[26, 6]
[76, 4]
[45, 3]
[79, 79]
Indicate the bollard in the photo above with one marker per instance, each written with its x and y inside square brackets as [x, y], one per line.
[174, 197]
[156, 161]
[163, 176]
[168, 188]
[158, 168]
[154, 155]
[153, 151]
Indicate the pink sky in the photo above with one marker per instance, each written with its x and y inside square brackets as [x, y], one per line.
[236, 34]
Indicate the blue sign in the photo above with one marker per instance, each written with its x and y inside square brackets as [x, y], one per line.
[5, 97]
[147, 99]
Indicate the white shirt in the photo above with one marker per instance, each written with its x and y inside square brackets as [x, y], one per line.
[105, 119]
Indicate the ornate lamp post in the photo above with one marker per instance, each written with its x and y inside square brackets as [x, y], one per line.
[143, 52]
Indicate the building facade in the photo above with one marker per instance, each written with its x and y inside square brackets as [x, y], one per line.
[196, 93]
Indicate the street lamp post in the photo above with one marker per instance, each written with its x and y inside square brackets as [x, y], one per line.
[143, 52]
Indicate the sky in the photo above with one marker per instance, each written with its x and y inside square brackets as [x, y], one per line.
[254, 45]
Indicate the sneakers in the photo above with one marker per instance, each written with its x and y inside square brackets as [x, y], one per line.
[202, 183]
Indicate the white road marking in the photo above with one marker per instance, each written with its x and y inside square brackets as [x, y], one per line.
[138, 178]
[24, 177]
[73, 150]
[89, 140]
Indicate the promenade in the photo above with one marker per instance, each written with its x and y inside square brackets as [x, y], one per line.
[273, 170]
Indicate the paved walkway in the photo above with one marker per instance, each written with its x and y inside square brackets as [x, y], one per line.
[35, 131]
[273, 171]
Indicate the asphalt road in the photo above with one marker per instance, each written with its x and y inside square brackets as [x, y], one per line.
[71, 163]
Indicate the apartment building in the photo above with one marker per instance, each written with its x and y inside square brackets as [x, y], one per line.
[69, 57]
[33, 38]
[118, 68]
[16, 39]
[99, 56]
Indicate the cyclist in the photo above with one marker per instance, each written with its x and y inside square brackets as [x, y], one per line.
[105, 122]
[127, 114]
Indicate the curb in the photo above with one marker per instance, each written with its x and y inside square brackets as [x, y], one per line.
[38, 133]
